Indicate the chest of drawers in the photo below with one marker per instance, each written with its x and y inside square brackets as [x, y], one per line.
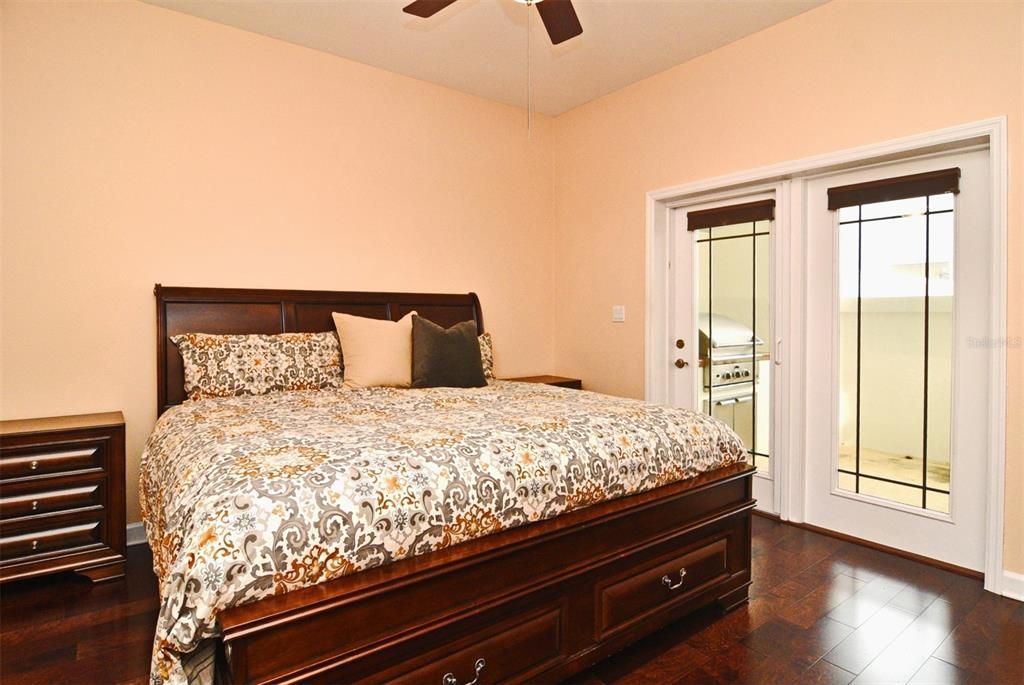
[62, 496]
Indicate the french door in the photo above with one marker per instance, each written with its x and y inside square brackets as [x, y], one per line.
[897, 307]
[724, 315]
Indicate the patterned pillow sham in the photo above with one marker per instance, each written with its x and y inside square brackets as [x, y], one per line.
[231, 365]
[487, 355]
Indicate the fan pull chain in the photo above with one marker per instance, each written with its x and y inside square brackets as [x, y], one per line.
[529, 76]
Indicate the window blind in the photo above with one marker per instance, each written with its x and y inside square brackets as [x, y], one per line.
[733, 214]
[896, 188]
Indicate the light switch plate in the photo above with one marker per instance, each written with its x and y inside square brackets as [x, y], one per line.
[618, 313]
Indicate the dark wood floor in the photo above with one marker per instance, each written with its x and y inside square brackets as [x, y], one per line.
[821, 611]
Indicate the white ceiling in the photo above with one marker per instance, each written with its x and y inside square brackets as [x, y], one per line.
[480, 46]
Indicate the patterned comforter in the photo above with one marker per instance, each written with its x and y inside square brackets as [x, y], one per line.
[246, 497]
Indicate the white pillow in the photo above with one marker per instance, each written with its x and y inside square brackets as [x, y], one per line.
[375, 352]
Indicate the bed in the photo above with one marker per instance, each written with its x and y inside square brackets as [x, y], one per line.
[511, 533]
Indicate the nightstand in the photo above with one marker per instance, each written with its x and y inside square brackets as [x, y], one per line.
[62, 496]
[560, 381]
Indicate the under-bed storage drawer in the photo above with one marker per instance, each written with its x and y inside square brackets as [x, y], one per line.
[506, 644]
[660, 583]
[508, 652]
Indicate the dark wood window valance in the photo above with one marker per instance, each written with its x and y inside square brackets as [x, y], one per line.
[733, 214]
[897, 188]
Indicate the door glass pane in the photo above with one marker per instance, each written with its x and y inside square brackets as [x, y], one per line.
[849, 256]
[904, 494]
[892, 257]
[849, 214]
[732, 288]
[734, 306]
[940, 357]
[938, 501]
[762, 347]
[895, 351]
[940, 203]
[745, 228]
[893, 208]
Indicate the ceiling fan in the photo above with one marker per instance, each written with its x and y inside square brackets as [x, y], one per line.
[558, 16]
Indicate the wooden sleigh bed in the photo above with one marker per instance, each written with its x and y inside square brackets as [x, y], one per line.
[535, 603]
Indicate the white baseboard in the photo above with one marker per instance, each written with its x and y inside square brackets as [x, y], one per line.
[1013, 585]
[136, 534]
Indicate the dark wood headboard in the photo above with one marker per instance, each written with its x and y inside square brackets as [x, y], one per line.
[236, 310]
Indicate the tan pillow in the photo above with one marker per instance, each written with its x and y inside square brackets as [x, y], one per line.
[375, 352]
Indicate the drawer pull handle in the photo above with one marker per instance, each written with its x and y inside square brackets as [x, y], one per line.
[667, 582]
[34, 465]
[450, 679]
[35, 505]
[35, 545]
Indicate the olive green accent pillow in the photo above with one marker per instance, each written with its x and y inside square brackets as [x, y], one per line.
[446, 357]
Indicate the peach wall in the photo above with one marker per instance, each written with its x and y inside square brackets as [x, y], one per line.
[839, 76]
[144, 145]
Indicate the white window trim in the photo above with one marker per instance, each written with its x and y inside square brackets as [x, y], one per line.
[786, 180]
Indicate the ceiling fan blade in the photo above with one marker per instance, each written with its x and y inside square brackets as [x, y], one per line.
[559, 19]
[426, 8]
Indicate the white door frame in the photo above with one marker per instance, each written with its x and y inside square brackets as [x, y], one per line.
[787, 180]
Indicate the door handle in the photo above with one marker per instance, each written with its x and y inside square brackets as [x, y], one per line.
[682, 363]
[778, 352]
